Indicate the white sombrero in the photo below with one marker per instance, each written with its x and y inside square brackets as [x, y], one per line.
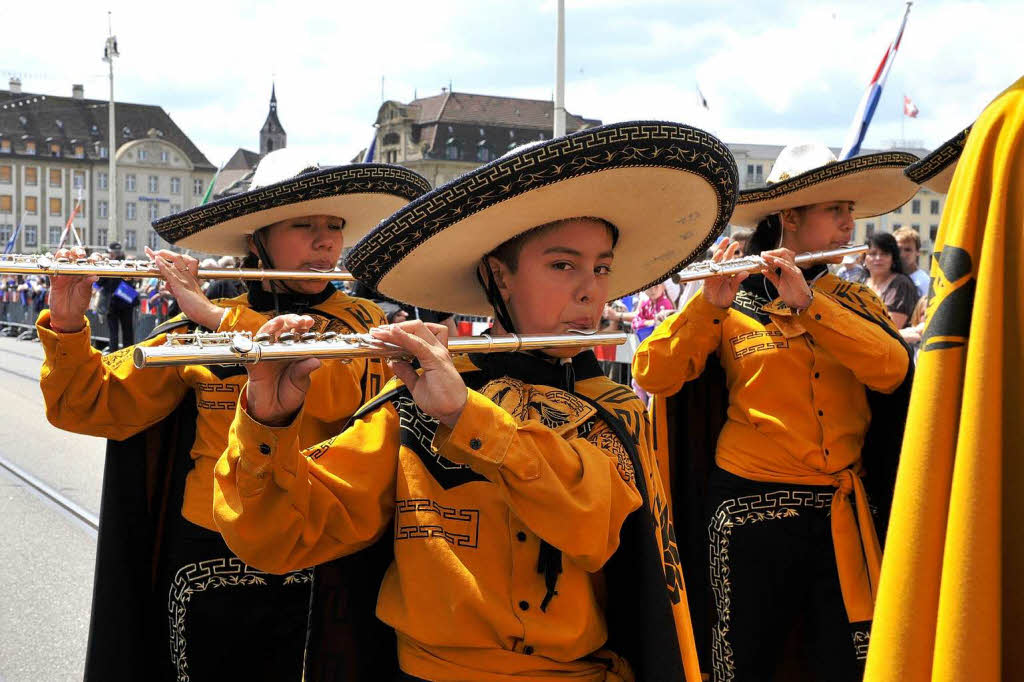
[807, 174]
[287, 185]
[668, 188]
[935, 171]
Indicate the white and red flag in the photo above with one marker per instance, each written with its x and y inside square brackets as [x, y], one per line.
[909, 108]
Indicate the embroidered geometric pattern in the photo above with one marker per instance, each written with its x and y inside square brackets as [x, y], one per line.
[330, 182]
[657, 144]
[211, 574]
[460, 531]
[936, 162]
[737, 511]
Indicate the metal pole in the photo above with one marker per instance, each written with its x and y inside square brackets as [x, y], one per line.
[559, 123]
[108, 56]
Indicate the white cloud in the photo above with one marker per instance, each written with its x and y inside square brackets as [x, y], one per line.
[772, 73]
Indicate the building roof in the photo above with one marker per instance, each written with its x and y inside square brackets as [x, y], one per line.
[71, 121]
[242, 159]
[464, 107]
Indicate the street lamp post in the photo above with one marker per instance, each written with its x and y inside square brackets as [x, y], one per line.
[109, 52]
[559, 122]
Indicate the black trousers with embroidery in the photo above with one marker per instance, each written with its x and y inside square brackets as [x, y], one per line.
[225, 619]
[779, 612]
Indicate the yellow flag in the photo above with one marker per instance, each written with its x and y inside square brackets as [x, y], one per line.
[951, 594]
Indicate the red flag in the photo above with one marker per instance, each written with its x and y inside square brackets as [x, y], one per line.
[909, 108]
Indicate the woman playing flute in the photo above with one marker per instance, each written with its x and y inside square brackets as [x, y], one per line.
[164, 576]
[801, 358]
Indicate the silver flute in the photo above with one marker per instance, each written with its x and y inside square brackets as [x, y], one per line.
[244, 348]
[708, 268]
[16, 264]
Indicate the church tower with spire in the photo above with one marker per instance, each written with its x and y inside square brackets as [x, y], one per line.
[272, 135]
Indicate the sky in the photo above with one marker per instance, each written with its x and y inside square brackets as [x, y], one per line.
[772, 72]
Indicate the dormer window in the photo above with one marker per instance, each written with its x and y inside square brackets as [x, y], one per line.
[126, 131]
[94, 129]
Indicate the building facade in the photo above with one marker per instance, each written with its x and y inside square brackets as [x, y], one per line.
[236, 174]
[54, 163]
[443, 136]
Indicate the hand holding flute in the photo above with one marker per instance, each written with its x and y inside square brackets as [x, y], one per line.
[276, 390]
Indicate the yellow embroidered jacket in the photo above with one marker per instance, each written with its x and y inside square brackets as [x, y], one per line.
[512, 533]
[106, 396]
[798, 402]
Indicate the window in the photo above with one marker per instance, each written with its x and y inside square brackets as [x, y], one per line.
[126, 132]
[129, 210]
[82, 208]
[750, 169]
[483, 154]
[5, 146]
[175, 185]
[102, 179]
[129, 182]
[129, 239]
[5, 175]
[270, 145]
[56, 206]
[101, 236]
[451, 152]
[869, 230]
[55, 149]
[31, 234]
[78, 179]
[392, 138]
[56, 176]
[933, 232]
[915, 206]
[759, 171]
[899, 210]
[154, 240]
[79, 151]
[102, 210]
[154, 183]
[54, 234]
[5, 233]
[154, 211]
[32, 176]
[143, 155]
[30, 147]
[103, 152]
[197, 187]
[934, 207]
[916, 228]
[175, 208]
[31, 205]
[6, 203]
[164, 156]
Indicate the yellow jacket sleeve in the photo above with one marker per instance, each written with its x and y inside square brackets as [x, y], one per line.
[86, 392]
[566, 490]
[876, 358]
[678, 348]
[280, 510]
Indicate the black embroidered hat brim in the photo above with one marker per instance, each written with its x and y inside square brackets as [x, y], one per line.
[363, 194]
[874, 182]
[668, 188]
[935, 171]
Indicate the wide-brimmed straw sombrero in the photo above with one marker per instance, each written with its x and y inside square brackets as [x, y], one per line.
[288, 185]
[668, 188]
[935, 171]
[810, 174]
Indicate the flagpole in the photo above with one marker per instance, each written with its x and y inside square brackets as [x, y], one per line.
[559, 122]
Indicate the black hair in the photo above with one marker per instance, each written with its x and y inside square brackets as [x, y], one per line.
[886, 242]
[766, 237]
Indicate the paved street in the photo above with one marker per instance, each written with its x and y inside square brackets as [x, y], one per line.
[46, 564]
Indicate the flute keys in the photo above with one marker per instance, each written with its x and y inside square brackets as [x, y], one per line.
[288, 337]
[309, 337]
[261, 338]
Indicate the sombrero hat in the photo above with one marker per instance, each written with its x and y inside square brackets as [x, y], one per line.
[935, 171]
[810, 174]
[668, 188]
[288, 185]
